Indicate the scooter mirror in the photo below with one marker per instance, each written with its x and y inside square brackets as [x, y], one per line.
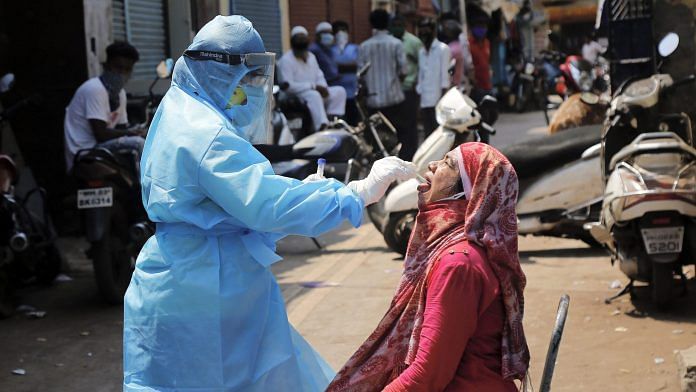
[165, 68]
[589, 98]
[668, 44]
[6, 82]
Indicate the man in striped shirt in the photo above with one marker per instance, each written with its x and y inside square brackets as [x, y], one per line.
[385, 54]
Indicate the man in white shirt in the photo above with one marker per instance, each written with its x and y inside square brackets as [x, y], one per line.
[433, 73]
[299, 68]
[591, 49]
[96, 115]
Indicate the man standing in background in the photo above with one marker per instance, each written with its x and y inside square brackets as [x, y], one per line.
[450, 33]
[480, 53]
[433, 73]
[346, 56]
[388, 65]
[411, 45]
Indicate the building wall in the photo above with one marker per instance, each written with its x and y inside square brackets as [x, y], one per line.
[309, 13]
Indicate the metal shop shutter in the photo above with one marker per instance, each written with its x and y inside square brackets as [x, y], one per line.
[265, 15]
[143, 24]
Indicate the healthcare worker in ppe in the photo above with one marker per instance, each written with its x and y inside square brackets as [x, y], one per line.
[203, 311]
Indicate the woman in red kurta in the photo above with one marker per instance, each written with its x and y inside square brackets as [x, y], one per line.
[455, 323]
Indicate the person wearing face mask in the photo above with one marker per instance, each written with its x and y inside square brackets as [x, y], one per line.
[480, 51]
[300, 69]
[433, 73]
[321, 48]
[455, 322]
[203, 311]
[346, 55]
[96, 115]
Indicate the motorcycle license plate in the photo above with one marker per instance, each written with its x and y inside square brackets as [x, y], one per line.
[295, 123]
[663, 239]
[95, 198]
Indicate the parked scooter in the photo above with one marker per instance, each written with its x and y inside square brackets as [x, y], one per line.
[577, 76]
[115, 221]
[648, 219]
[28, 251]
[461, 121]
[349, 151]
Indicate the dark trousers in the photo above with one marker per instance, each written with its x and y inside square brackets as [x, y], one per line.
[406, 133]
[429, 121]
[410, 114]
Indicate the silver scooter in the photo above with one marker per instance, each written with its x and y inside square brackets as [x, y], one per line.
[648, 219]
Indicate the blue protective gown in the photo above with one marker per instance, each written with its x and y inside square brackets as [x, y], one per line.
[203, 310]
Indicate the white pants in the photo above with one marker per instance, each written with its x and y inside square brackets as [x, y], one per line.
[334, 104]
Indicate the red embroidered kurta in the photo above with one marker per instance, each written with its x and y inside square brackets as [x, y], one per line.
[459, 348]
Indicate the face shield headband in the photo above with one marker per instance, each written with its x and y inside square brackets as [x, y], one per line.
[249, 106]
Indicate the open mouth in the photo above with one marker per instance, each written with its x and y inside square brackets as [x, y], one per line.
[425, 186]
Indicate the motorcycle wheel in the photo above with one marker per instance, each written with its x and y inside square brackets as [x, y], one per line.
[661, 284]
[397, 230]
[113, 267]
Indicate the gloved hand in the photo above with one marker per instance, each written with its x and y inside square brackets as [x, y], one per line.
[383, 173]
[313, 177]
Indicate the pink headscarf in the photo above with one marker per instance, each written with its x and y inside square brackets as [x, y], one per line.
[486, 217]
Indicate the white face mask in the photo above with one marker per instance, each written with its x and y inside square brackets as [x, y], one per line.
[326, 39]
[341, 38]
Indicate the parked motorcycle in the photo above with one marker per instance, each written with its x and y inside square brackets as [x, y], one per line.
[648, 219]
[577, 76]
[109, 197]
[28, 251]
[349, 151]
[461, 121]
[529, 85]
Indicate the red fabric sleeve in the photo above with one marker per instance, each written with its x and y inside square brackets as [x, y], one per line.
[451, 314]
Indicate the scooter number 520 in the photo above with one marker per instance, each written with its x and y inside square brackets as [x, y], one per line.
[95, 198]
[663, 239]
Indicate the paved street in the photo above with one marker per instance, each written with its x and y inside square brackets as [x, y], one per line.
[335, 297]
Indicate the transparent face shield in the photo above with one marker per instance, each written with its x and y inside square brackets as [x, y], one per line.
[250, 103]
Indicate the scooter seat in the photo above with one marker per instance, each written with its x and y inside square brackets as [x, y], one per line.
[543, 153]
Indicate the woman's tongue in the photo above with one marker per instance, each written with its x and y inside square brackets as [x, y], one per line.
[424, 187]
